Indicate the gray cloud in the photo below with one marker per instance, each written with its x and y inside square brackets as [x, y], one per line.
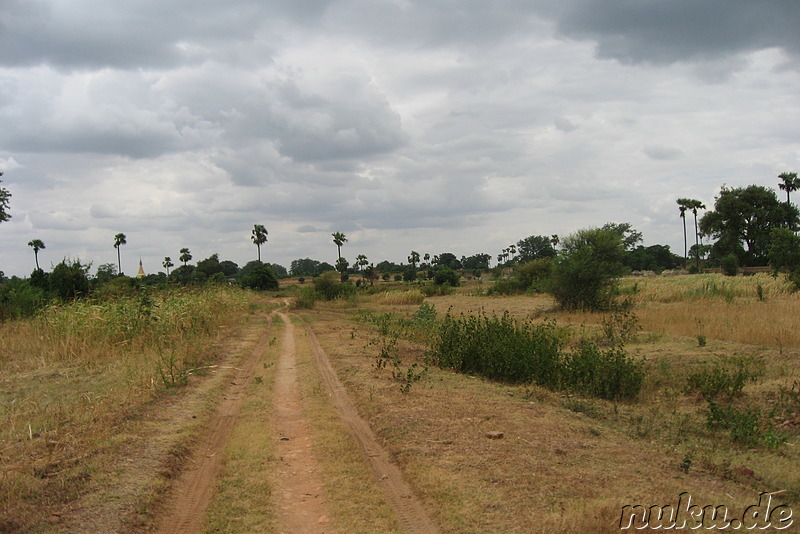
[445, 125]
[659, 32]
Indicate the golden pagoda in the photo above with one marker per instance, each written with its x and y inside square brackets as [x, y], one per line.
[140, 274]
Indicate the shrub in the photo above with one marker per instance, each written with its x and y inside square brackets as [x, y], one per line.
[585, 273]
[261, 278]
[69, 280]
[725, 378]
[504, 349]
[306, 297]
[729, 264]
[535, 275]
[608, 374]
[446, 275]
[499, 348]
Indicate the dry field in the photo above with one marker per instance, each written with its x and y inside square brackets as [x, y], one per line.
[97, 424]
[567, 463]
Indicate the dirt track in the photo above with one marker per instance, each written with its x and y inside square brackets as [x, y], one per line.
[300, 497]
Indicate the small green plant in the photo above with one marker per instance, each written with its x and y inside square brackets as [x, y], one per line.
[701, 341]
[425, 315]
[725, 378]
[760, 292]
[620, 327]
[171, 372]
[414, 373]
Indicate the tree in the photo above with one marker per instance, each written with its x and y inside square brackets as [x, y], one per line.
[653, 258]
[413, 258]
[119, 240]
[210, 266]
[586, 271]
[789, 183]
[261, 278]
[447, 259]
[69, 280]
[229, 268]
[167, 263]
[476, 261]
[742, 220]
[629, 235]
[105, 273]
[371, 273]
[784, 254]
[185, 256]
[341, 266]
[37, 245]
[5, 198]
[695, 205]
[683, 207]
[259, 237]
[305, 267]
[361, 261]
[533, 247]
[340, 239]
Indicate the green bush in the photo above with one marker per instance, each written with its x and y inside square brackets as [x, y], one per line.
[19, 299]
[586, 271]
[306, 297]
[446, 275]
[608, 374]
[69, 280]
[729, 264]
[499, 348]
[535, 275]
[504, 349]
[261, 278]
[725, 378]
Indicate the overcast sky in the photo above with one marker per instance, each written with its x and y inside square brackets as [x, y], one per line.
[438, 125]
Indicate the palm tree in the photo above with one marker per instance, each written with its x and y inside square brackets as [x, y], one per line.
[167, 263]
[340, 239]
[259, 237]
[119, 240]
[361, 261]
[4, 203]
[185, 256]
[789, 183]
[695, 205]
[413, 258]
[683, 206]
[37, 245]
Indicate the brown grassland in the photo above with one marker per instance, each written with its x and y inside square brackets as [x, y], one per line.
[77, 401]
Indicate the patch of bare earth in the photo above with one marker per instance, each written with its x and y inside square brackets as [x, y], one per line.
[302, 506]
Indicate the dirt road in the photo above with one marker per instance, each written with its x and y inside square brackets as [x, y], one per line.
[299, 497]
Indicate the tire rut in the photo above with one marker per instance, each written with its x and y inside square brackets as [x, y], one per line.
[411, 514]
[193, 488]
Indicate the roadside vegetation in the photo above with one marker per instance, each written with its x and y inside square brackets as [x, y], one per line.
[75, 370]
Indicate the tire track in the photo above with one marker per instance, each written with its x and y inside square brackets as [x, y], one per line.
[302, 506]
[412, 515]
[193, 488]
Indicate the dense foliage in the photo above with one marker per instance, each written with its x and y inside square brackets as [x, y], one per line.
[586, 270]
[502, 348]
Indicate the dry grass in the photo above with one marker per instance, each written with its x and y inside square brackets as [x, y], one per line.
[356, 502]
[69, 375]
[569, 464]
[715, 307]
[249, 458]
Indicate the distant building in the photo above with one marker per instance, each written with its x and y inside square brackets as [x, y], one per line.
[140, 274]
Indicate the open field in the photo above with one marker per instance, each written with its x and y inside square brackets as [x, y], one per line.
[565, 462]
